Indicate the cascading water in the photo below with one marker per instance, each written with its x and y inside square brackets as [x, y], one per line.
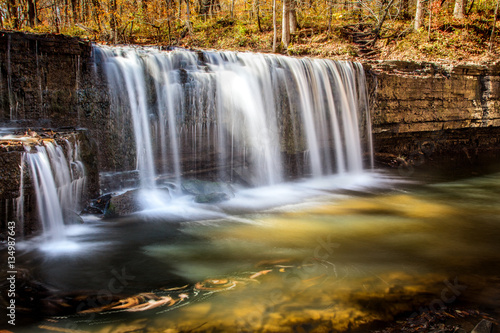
[59, 182]
[247, 112]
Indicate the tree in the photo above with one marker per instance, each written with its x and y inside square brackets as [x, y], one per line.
[419, 14]
[378, 29]
[74, 9]
[293, 17]
[494, 24]
[12, 10]
[275, 35]
[256, 10]
[113, 24]
[459, 10]
[31, 13]
[285, 36]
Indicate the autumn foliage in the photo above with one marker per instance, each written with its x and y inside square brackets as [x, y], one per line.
[315, 27]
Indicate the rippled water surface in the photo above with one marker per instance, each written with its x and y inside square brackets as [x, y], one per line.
[329, 255]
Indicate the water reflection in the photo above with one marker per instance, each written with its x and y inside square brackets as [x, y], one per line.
[335, 261]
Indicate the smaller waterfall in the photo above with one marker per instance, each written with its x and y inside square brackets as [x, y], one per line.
[59, 181]
[49, 208]
[20, 200]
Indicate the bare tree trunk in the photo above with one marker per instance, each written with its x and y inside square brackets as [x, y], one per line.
[232, 9]
[470, 7]
[97, 17]
[87, 11]
[459, 10]
[494, 24]
[275, 36]
[112, 21]
[285, 36]
[74, 9]
[55, 14]
[330, 14]
[293, 17]
[430, 21]
[12, 9]
[257, 12]
[419, 15]
[188, 18]
[65, 18]
[381, 23]
[32, 13]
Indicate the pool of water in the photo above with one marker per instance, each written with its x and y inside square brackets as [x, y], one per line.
[336, 254]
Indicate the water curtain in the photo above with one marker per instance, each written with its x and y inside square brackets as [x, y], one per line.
[252, 115]
[59, 180]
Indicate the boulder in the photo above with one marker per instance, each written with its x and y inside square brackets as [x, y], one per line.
[128, 203]
[123, 204]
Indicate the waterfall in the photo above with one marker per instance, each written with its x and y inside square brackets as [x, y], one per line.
[59, 181]
[263, 118]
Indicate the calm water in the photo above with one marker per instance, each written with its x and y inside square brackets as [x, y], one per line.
[330, 255]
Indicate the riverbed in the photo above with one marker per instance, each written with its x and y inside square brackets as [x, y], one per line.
[335, 254]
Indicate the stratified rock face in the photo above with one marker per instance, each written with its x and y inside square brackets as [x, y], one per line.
[40, 77]
[419, 108]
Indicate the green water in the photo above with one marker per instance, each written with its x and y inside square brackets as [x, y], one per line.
[333, 262]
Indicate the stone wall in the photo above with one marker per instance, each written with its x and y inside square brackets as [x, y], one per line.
[418, 108]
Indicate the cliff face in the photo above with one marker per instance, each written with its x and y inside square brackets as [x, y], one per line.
[420, 109]
[39, 78]
[54, 81]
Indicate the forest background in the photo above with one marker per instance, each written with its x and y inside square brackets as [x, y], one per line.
[447, 30]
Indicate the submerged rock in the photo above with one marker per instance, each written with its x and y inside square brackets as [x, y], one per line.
[206, 191]
[214, 197]
[123, 204]
[128, 203]
[484, 326]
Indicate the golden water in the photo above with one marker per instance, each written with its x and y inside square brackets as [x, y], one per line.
[334, 263]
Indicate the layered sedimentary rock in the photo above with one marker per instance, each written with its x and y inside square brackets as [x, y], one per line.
[418, 110]
[423, 108]
[40, 78]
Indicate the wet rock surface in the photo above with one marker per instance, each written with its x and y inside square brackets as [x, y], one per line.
[207, 191]
[40, 76]
[128, 203]
[123, 205]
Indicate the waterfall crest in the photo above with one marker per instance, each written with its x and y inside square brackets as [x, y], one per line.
[261, 118]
